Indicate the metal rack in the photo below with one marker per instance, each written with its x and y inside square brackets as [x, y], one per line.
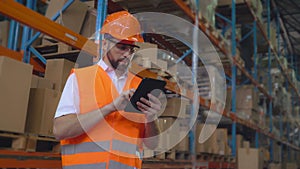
[46, 26]
[256, 24]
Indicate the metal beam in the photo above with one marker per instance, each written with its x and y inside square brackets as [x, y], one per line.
[45, 25]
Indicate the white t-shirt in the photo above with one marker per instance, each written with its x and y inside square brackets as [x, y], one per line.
[69, 101]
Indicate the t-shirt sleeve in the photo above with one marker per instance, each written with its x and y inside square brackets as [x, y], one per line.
[69, 101]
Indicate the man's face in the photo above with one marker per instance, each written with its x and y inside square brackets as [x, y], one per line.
[119, 55]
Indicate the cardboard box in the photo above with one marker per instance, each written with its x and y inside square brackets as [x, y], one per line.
[41, 109]
[161, 64]
[89, 24]
[274, 166]
[72, 17]
[4, 32]
[58, 71]
[45, 83]
[34, 81]
[246, 97]
[176, 107]
[15, 82]
[276, 153]
[246, 144]
[183, 145]
[206, 142]
[222, 140]
[291, 166]
[146, 50]
[173, 134]
[246, 101]
[249, 158]
[239, 141]
[39, 82]
[166, 137]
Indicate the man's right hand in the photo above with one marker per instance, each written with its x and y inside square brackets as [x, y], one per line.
[120, 102]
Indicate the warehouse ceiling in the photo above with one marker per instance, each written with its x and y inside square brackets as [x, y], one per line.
[290, 14]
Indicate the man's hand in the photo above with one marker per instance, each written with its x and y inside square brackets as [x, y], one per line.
[121, 102]
[150, 107]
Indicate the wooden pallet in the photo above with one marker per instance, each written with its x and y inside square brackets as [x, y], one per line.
[173, 155]
[28, 142]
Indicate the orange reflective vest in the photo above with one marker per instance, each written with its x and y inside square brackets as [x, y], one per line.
[116, 141]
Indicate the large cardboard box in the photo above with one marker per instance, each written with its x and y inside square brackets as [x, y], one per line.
[274, 166]
[41, 109]
[4, 32]
[58, 71]
[72, 17]
[291, 166]
[39, 82]
[173, 134]
[222, 142]
[209, 137]
[176, 107]
[146, 55]
[276, 153]
[34, 81]
[89, 24]
[167, 136]
[183, 145]
[15, 82]
[246, 101]
[249, 158]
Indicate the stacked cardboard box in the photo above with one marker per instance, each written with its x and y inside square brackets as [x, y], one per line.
[173, 134]
[15, 80]
[42, 107]
[250, 158]
[72, 18]
[146, 55]
[222, 137]
[44, 96]
[211, 84]
[274, 166]
[206, 139]
[291, 166]
[176, 107]
[246, 101]
[58, 71]
[276, 153]
[4, 32]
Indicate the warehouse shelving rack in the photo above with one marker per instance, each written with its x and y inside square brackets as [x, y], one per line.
[271, 50]
[28, 17]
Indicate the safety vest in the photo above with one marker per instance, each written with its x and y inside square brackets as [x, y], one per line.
[116, 141]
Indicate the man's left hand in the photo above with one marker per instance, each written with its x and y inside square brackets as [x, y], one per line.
[150, 107]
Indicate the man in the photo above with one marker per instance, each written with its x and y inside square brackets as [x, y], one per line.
[94, 130]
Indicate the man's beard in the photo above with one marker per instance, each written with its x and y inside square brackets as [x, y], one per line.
[116, 64]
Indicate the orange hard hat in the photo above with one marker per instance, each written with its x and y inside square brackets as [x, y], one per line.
[122, 26]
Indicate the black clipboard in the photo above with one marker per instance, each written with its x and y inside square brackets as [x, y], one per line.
[148, 85]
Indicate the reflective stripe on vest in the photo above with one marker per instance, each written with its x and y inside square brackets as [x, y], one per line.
[124, 147]
[117, 165]
[85, 147]
[87, 166]
[99, 147]
[112, 143]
